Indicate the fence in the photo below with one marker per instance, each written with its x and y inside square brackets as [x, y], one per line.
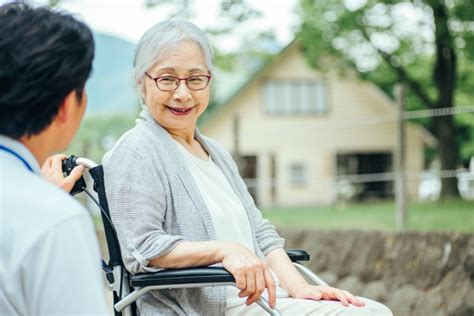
[428, 180]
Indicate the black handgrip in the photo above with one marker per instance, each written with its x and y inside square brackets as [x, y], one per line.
[68, 164]
[297, 255]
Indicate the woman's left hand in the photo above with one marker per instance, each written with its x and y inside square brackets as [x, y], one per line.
[52, 171]
[317, 292]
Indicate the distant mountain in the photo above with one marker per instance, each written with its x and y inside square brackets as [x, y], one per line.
[111, 89]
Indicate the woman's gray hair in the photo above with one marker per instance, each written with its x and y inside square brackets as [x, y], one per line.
[161, 39]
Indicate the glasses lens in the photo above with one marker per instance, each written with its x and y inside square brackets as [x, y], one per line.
[197, 82]
[167, 83]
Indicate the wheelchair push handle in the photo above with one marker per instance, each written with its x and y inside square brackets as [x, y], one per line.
[72, 161]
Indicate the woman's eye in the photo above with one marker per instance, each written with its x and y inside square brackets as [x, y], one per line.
[195, 79]
[166, 79]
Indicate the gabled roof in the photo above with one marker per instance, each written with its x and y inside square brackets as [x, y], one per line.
[428, 138]
[252, 78]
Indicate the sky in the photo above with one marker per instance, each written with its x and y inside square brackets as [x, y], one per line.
[129, 19]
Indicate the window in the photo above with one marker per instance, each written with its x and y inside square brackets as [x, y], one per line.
[366, 163]
[294, 96]
[297, 174]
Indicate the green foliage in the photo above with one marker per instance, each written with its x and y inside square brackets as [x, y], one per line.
[392, 41]
[97, 134]
[254, 49]
[53, 3]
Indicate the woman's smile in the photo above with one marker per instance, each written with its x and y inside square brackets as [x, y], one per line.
[179, 111]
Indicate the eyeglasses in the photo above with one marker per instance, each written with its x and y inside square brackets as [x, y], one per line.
[170, 83]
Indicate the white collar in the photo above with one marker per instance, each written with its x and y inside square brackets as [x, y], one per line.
[20, 149]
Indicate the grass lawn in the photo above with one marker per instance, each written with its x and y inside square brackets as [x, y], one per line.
[448, 215]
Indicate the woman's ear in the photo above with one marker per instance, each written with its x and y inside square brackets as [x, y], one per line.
[142, 89]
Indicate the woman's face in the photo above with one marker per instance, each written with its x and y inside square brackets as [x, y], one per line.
[179, 109]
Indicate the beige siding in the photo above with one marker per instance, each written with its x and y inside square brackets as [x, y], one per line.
[313, 140]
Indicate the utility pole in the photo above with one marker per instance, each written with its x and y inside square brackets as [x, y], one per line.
[236, 139]
[401, 216]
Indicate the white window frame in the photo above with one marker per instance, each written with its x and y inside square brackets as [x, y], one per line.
[295, 97]
[298, 174]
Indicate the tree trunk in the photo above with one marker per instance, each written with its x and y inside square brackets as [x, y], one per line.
[445, 79]
[448, 153]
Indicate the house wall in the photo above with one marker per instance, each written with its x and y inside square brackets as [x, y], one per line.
[313, 140]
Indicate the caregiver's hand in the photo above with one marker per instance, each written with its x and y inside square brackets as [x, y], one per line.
[52, 171]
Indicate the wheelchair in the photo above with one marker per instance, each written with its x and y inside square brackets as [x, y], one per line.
[127, 288]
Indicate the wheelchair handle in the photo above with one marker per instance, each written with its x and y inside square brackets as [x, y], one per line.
[72, 161]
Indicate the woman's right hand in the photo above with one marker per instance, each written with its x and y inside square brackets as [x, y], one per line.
[251, 273]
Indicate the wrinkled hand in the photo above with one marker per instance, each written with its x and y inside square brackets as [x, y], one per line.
[52, 172]
[326, 293]
[251, 274]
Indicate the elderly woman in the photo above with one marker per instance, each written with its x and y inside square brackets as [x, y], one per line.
[177, 199]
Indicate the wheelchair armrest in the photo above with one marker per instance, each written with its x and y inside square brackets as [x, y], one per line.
[201, 276]
[297, 255]
[198, 275]
[182, 276]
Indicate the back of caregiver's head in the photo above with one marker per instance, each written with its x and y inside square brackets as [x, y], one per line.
[44, 56]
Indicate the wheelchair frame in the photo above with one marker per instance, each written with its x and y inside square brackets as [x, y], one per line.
[127, 288]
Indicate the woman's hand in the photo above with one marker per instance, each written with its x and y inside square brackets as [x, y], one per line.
[317, 293]
[52, 171]
[251, 274]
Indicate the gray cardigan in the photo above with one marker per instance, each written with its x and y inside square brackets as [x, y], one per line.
[155, 204]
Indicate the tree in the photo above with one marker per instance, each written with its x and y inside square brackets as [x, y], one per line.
[420, 43]
[253, 50]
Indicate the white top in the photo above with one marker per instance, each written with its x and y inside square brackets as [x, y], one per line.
[227, 211]
[228, 214]
[49, 262]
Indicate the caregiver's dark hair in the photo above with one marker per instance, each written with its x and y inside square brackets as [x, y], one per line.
[44, 55]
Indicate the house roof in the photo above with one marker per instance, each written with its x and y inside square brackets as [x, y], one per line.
[252, 78]
[428, 138]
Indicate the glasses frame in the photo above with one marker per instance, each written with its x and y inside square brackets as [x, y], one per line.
[155, 79]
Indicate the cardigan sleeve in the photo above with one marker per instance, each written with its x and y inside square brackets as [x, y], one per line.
[137, 202]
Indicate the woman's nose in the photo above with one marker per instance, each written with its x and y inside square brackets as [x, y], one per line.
[182, 92]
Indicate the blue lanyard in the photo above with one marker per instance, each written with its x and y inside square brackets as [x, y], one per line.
[14, 153]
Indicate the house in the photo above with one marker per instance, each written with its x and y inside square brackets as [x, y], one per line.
[297, 131]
